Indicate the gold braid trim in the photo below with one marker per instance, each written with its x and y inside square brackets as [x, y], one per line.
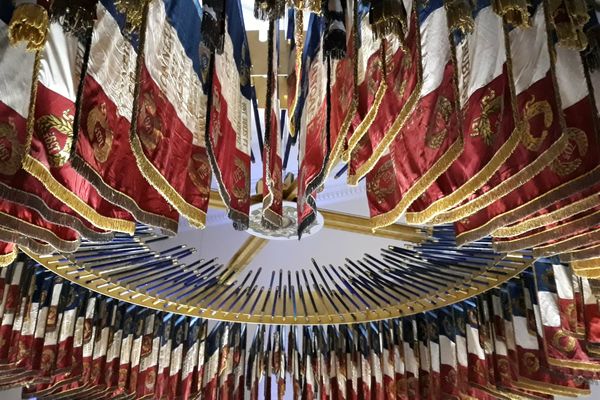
[56, 217]
[299, 38]
[29, 23]
[195, 216]
[507, 186]
[546, 235]
[575, 242]
[420, 186]
[566, 189]
[30, 231]
[39, 171]
[580, 255]
[549, 218]
[548, 388]
[120, 199]
[366, 122]
[7, 259]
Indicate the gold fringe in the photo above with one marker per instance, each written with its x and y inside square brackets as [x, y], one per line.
[581, 254]
[419, 187]
[366, 122]
[587, 269]
[299, 38]
[28, 230]
[546, 235]
[571, 243]
[29, 23]
[39, 171]
[507, 186]
[549, 218]
[532, 206]
[9, 258]
[32, 201]
[120, 199]
[25, 242]
[338, 147]
[195, 216]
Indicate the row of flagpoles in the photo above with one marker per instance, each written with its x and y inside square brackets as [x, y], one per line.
[391, 283]
[482, 115]
[533, 337]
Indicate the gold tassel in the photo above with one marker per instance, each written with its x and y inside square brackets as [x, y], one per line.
[388, 17]
[460, 16]
[513, 11]
[29, 23]
[568, 17]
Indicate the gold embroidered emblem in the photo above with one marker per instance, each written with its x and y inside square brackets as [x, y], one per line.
[99, 133]
[47, 360]
[149, 124]
[531, 362]
[566, 163]
[438, 130]
[482, 125]
[199, 173]
[381, 186]
[241, 175]
[150, 379]
[533, 109]
[564, 342]
[47, 126]
[11, 151]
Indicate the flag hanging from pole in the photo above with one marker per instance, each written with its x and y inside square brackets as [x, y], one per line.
[168, 142]
[103, 151]
[228, 133]
[272, 163]
[312, 117]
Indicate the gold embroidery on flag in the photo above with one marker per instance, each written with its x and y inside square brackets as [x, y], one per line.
[99, 133]
[532, 109]
[565, 164]
[491, 104]
[438, 131]
[58, 155]
[11, 151]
